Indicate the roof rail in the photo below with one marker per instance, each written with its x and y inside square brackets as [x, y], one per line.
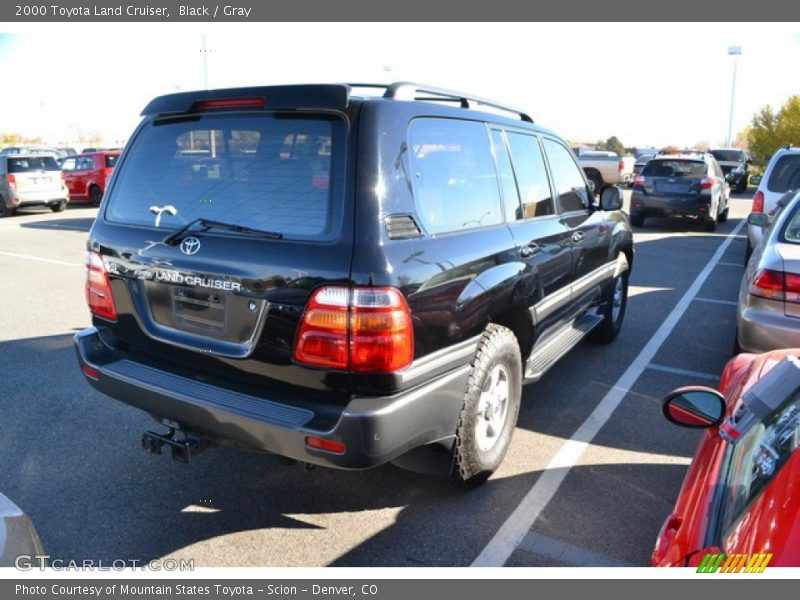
[406, 90]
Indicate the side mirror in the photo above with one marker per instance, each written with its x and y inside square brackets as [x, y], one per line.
[758, 219]
[611, 198]
[696, 407]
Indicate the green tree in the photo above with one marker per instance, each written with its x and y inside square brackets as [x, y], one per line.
[614, 145]
[770, 130]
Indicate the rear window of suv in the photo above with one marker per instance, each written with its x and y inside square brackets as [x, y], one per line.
[729, 155]
[32, 163]
[267, 171]
[785, 174]
[675, 168]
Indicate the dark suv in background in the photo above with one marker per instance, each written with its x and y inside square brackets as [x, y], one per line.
[345, 279]
[681, 185]
[735, 164]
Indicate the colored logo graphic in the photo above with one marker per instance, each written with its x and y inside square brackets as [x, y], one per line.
[734, 563]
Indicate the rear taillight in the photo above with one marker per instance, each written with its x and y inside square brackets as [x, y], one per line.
[639, 181]
[621, 166]
[706, 183]
[98, 288]
[758, 202]
[776, 285]
[367, 330]
[12, 181]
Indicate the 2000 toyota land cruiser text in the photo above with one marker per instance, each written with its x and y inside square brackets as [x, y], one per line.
[345, 279]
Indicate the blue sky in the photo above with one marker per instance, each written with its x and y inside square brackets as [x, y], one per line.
[645, 83]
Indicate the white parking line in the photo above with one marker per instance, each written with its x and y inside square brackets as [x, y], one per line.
[52, 261]
[715, 301]
[683, 372]
[731, 264]
[511, 533]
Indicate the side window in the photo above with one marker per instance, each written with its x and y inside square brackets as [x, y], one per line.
[455, 183]
[757, 457]
[68, 164]
[568, 179]
[506, 174]
[534, 187]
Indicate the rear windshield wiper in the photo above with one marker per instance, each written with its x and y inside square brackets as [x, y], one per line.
[207, 224]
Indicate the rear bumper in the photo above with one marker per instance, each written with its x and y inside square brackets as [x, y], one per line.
[671, 206]
[375, 430]
[23, 199]
[762, 328]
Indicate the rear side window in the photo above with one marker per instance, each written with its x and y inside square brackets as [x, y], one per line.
[32, 163]
[455, 183]
[267, 171]
[111, 160]
[785, 174]
[694, 169]
[534, 187]
[68, 164]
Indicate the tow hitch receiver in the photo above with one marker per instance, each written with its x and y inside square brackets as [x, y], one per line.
[183, 449]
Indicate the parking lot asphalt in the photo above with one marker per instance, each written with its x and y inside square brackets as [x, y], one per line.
[70, 457]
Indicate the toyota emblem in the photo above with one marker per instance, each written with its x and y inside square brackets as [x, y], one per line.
[190, 245]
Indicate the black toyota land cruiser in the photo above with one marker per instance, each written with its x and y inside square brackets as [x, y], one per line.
[345, 279]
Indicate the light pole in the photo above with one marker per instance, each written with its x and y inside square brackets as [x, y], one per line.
[734, 51]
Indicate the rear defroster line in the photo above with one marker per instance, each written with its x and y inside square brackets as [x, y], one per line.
[513, 531]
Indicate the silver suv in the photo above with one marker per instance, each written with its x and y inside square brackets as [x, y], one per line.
[31, 180]
[782, 174]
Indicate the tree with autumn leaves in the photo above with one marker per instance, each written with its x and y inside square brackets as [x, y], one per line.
[771, 130]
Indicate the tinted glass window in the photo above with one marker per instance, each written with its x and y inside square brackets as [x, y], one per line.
[757, 457]
[111, 160]
[695, 169]
[265, 171]
[32, 163]
[506, 174]
[568, 178]
[455, 184]
[85, 163]
[729, 155]
[785, 174]
[791, 231]
[534, 187]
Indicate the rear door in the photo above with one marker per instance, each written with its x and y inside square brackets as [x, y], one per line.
[221, 303]
[673, 177]
[542, 240]
[35, 175]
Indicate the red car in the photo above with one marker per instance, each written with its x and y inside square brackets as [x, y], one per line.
[86, 175]
[740, 496]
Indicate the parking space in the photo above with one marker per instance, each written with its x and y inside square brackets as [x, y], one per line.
[71, 458]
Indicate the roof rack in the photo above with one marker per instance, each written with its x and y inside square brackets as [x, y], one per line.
[406, 90]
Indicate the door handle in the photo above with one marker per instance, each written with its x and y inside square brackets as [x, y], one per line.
[577, 236]
[529, 250]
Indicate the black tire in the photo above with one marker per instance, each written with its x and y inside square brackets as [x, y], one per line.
[476, 454]
[742, 187]
[613, 312]
[748, 252]
[737, 349]
[595, 178]
[58, 206]
[723, 216]
[5, 210]
[95, 195]
[710, 225]
[637, 220]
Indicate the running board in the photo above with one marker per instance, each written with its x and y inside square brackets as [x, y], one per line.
[545, 356]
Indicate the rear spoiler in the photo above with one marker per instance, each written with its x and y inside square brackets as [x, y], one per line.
[326, 96]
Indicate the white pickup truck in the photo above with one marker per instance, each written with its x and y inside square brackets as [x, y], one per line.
[606, 168]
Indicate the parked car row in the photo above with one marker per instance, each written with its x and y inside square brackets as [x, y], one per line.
[739, 497]
[29, 180]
